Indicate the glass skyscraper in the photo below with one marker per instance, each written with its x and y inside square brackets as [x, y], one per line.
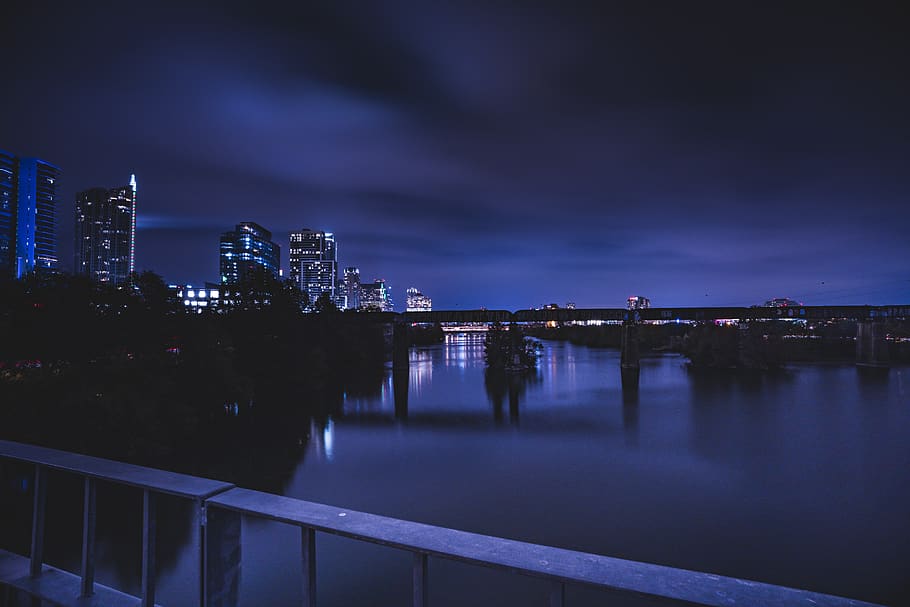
[105, 233]
[352, 287]
[248, 248]
[314, 263]
[376, 296]
[28, 220]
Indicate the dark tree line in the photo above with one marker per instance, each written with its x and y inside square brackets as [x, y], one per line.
[126, 373]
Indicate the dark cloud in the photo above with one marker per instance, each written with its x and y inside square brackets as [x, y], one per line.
[502, 154]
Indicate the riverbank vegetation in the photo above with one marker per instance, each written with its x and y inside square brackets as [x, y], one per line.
[126, 374]
[507, 349]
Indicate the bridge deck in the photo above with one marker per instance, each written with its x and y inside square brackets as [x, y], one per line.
[657, 314]
[520, 557]
[57, 586]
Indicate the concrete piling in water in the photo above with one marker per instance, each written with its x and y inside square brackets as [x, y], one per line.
[871, 347]
[629, 357]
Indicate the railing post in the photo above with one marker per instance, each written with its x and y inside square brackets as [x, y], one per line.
[88, 539]
[308, 553]
[148, 548]
[557, 594]
[198, 525]
[421, 594]
[38, 510]
[222, 555]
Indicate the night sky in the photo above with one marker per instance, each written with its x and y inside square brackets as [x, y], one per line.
[498, 154]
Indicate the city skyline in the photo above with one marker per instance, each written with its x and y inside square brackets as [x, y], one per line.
[704, 155]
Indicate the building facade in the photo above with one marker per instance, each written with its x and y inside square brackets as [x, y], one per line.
[247, 250]
[105, 233]
[418, 302]
[313, 258]
[28, 215]
[638, 302]
[376, 296]
[207, 298]
[352, 288]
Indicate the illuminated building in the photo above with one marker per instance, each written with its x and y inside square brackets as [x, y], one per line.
[352, 287]
[376, 296]
[246, 250]
[314, 264]
[637, 302]
[781, 302]
[105, 233]
[418, 302]
[199, 299]
[28, 221]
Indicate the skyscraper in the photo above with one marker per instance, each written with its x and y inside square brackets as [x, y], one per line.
[105, 233]
[352, 287]
[248, 248]
[314, 262]
[28, 221]
[418, 302]
[377, 296]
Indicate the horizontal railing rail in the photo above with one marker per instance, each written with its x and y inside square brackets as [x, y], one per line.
[222, 505]
[559, 565]
[59, 588]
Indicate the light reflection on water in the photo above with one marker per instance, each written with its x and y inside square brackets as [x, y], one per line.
[795, 478]
[798, 478]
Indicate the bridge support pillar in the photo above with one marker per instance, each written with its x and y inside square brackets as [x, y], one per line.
[629, 359]
[400, 346]
[400, 380]
[400, 368]
[871, 347]
[222, 558]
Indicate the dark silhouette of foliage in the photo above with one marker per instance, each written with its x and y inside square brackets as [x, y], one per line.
[324, 304]
[506, 348]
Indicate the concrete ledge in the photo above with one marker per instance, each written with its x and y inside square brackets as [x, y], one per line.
[57, 586]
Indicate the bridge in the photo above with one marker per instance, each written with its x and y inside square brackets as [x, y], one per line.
[219, 547]
[857, 313]
[871, 347]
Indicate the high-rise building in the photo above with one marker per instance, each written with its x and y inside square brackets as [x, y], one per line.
[199, 299]
[245, 250]
[352, 287]
[105, 233]
[418, 302]
[376, 295]
[638, 302]
[314, 263]
[28, 215]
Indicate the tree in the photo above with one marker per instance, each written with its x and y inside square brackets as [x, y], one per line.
[154, 292]
[324, 304]
[507, 349]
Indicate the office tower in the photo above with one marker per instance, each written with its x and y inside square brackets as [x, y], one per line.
[418, 302]
[341, 295]
[105, 233]
[199, 299]
[246, 250]
[352, 287]
[637, 302]
[28, 222]
[314, 263]
[376, 296]
[8, 167]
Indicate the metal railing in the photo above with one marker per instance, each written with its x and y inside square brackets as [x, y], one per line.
[220, 506]
[92, 469]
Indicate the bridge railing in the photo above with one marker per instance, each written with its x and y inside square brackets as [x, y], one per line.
[59, 588]
[559, 566]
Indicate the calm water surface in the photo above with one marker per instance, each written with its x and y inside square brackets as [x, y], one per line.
[800, 478]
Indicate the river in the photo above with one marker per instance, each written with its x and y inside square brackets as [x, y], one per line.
[799, 478]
